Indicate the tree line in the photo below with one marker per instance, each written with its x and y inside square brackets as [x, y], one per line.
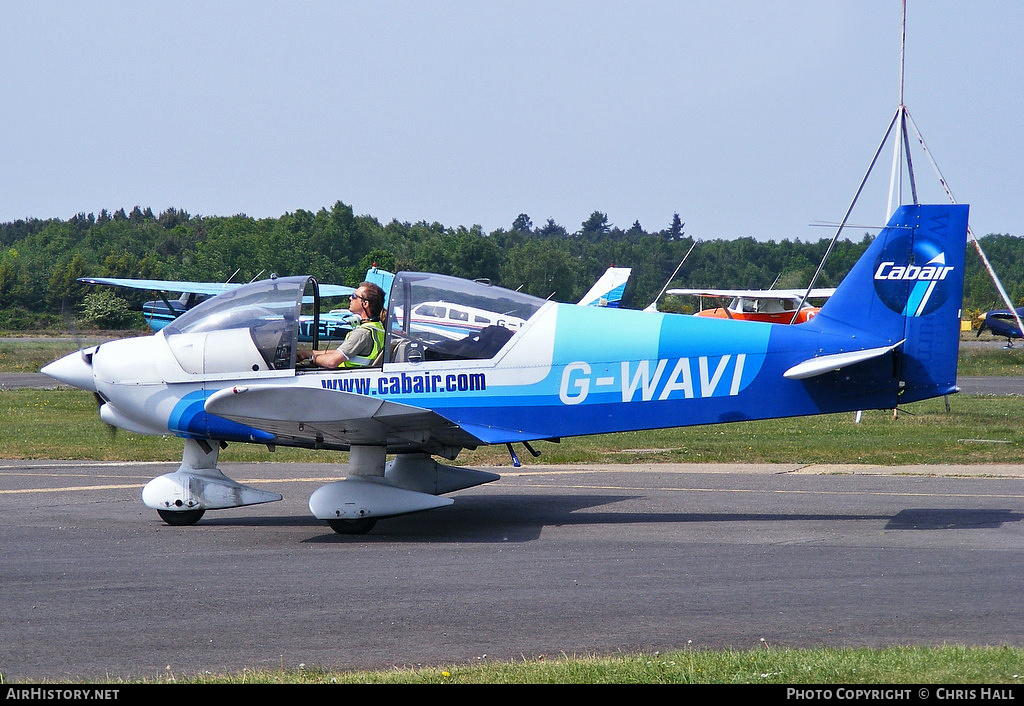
[41, 260]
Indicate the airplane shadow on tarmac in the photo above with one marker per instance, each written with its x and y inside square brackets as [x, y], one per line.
[520, 518]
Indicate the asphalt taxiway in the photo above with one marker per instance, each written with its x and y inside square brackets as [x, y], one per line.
[548, 560]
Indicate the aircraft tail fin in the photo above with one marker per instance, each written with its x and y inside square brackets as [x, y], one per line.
[381, 278]
[907, 289]
[607, 291]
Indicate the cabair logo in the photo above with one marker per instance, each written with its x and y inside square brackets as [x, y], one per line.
[914, 288]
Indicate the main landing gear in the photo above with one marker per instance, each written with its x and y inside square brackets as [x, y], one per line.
[182, 498]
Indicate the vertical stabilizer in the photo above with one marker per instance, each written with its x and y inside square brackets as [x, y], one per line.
[608, 290]
[908, 287]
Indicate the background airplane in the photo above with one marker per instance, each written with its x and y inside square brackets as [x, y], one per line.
[1002, 322]
[608, 289]
[333, 325]
[225, 372]
[770, 305]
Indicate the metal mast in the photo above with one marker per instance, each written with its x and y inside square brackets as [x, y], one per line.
[901, 147]
[901, 120]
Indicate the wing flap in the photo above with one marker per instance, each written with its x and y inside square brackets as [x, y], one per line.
[819, 293]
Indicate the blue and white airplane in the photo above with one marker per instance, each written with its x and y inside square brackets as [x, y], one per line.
[225, 372]
[608, 289]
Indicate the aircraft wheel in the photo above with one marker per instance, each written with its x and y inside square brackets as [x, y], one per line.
[181, 518]
[361, 526]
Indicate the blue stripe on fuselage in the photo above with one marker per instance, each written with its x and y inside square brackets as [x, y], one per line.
[189, 419]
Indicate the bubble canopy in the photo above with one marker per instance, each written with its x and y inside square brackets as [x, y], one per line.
[247, 306]
[437, 317]
[428, 317]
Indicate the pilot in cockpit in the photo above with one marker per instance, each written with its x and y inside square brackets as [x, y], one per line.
[364, 345]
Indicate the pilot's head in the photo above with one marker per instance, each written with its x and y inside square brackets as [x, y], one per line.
[367, 301]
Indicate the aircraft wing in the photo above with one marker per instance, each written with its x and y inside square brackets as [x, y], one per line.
[162, 285]
[211, 288]
[756, 293]
[320, 417]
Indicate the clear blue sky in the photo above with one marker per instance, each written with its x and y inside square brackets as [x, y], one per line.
[746, 118]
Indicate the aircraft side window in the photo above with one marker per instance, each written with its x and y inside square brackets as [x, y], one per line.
[275, 340]
[431, 310]
[457, 315]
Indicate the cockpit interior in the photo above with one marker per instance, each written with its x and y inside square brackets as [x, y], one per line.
[427, 317]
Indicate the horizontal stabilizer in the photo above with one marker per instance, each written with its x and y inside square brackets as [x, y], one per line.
[827, 363]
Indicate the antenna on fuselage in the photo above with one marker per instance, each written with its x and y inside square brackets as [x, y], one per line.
[653, 306]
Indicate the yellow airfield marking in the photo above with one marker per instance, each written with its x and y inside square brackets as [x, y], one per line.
[639, 488]
[537, 473]
[129, 486]
[70, 489]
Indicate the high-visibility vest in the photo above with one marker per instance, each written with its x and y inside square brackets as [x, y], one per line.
[376, 330]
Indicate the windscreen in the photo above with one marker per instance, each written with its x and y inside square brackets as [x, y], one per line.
[269, 309]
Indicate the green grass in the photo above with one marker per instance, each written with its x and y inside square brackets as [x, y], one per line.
[27, 354]
[763, 665]
[977, 360]
[976, 430]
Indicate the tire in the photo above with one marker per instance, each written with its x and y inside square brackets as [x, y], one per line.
[360, 526]
[181, 518]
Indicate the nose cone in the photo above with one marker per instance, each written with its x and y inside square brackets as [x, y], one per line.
[74, 369]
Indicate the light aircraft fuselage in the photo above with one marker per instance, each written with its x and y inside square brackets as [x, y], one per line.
[225, 372]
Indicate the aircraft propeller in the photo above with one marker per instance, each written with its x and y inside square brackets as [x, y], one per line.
[86, 353]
